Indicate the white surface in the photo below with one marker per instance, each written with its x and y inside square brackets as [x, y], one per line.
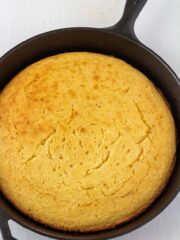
[157, 27]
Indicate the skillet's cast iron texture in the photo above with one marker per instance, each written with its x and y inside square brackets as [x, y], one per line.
[120, 41]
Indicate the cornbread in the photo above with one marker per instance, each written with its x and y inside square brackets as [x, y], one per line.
[86, 141]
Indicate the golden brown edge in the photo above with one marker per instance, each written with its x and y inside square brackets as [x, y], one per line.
[109, 226]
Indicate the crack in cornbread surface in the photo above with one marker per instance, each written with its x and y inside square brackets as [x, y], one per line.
[86, 141]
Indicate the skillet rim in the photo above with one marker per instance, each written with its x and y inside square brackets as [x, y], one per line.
[41, 229]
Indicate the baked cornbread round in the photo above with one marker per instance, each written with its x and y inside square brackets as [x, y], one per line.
[86, 141]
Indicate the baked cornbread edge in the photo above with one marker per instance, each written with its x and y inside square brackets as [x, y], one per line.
[107, 226]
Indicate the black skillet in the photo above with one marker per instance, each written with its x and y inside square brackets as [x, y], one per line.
[120, 41]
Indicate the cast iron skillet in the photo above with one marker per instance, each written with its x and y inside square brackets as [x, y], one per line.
[120, 41]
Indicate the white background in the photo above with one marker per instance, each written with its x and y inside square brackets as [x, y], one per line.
[157, 27]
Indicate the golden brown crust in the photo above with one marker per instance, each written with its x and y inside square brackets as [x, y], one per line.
[84, 140]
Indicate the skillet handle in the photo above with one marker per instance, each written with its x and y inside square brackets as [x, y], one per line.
[126, 24]
[4, 226]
